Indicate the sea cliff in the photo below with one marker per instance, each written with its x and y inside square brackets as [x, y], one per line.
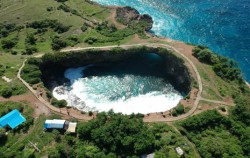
[53, 65]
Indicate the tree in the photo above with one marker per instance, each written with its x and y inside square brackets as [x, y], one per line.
[179, 109]
[57, 135]
[3, 136]
[30, 39]
[8, 44]
[58, 43]
[6, 92]
[113, 132]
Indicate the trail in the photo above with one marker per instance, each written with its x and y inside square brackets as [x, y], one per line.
[189, 142]
[181, 117]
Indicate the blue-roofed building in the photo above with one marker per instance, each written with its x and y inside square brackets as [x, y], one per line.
[12, 119]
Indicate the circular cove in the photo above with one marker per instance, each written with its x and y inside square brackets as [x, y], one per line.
[136, 84]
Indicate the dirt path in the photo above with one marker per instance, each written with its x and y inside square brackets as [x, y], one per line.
[52, 108]
[189, 142]
[169, 119]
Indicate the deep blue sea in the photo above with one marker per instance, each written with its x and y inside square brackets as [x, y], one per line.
[222, 25]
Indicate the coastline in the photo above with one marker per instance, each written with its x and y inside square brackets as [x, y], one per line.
[152, 34]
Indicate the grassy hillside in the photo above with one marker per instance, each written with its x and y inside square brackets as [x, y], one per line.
[43, 26]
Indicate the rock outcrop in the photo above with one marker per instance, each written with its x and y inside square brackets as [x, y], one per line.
[131, 17]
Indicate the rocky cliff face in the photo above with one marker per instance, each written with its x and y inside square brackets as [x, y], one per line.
[53, 65]
[131, 17]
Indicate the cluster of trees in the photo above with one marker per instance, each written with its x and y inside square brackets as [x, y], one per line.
[31, 72]
[226, 68]
[58, 43]
[217, 136]
[9, 43]
[6, 29]
[30, 44]
[9, 90]
[115, 133]
[67, 9]
[241, 112]
[58, 103]
[178, 110]
[111, 33]
[47, 23]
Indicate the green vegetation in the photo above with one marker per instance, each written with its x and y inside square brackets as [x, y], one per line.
[178, 110]
[216, 136]
[113, 132]
[225, 68]
[58, 103]
[31, 72]
[106, 136]
[6, 107]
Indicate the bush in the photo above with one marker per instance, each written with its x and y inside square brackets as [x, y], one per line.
[45, 24]
[59, 103]
[84, 28]
[6, 92]
[112, 132]
[8, 44]
[30, 49]
[58, 43]
[179, 109]
[31, 73]
[49, 9]
[225, 68]
[30, 39]
[223, 108]
[13, 52]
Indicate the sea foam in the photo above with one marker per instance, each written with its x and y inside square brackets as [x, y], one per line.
[126, 95]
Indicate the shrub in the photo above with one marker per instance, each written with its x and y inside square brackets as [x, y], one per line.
[223, 67]
[223, 108]
[8, 44]
[6, 92]
[49, 9]
[59, 103]
[13, 52]
[84, 28]
[45, 24]
[179, 109]
[30, 39]
[58, 43]
[30, 49]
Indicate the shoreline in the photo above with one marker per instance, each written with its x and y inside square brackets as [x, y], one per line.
[152, 35]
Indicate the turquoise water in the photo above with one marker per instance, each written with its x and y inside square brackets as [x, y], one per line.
[136, 85]
[224, 26]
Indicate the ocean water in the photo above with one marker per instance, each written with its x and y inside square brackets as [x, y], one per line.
[224, 25]
[130, 86]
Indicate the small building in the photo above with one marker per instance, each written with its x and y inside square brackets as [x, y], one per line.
[179, 151]
[57, 124]
[61, 124]
[72, 127]
[152, 155]
[12, 119]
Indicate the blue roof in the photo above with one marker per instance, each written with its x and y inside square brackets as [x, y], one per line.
[13, 119]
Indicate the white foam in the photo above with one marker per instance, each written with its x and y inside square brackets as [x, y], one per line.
[78, 97]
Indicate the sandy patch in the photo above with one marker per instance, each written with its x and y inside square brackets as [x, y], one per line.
[6, 79]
